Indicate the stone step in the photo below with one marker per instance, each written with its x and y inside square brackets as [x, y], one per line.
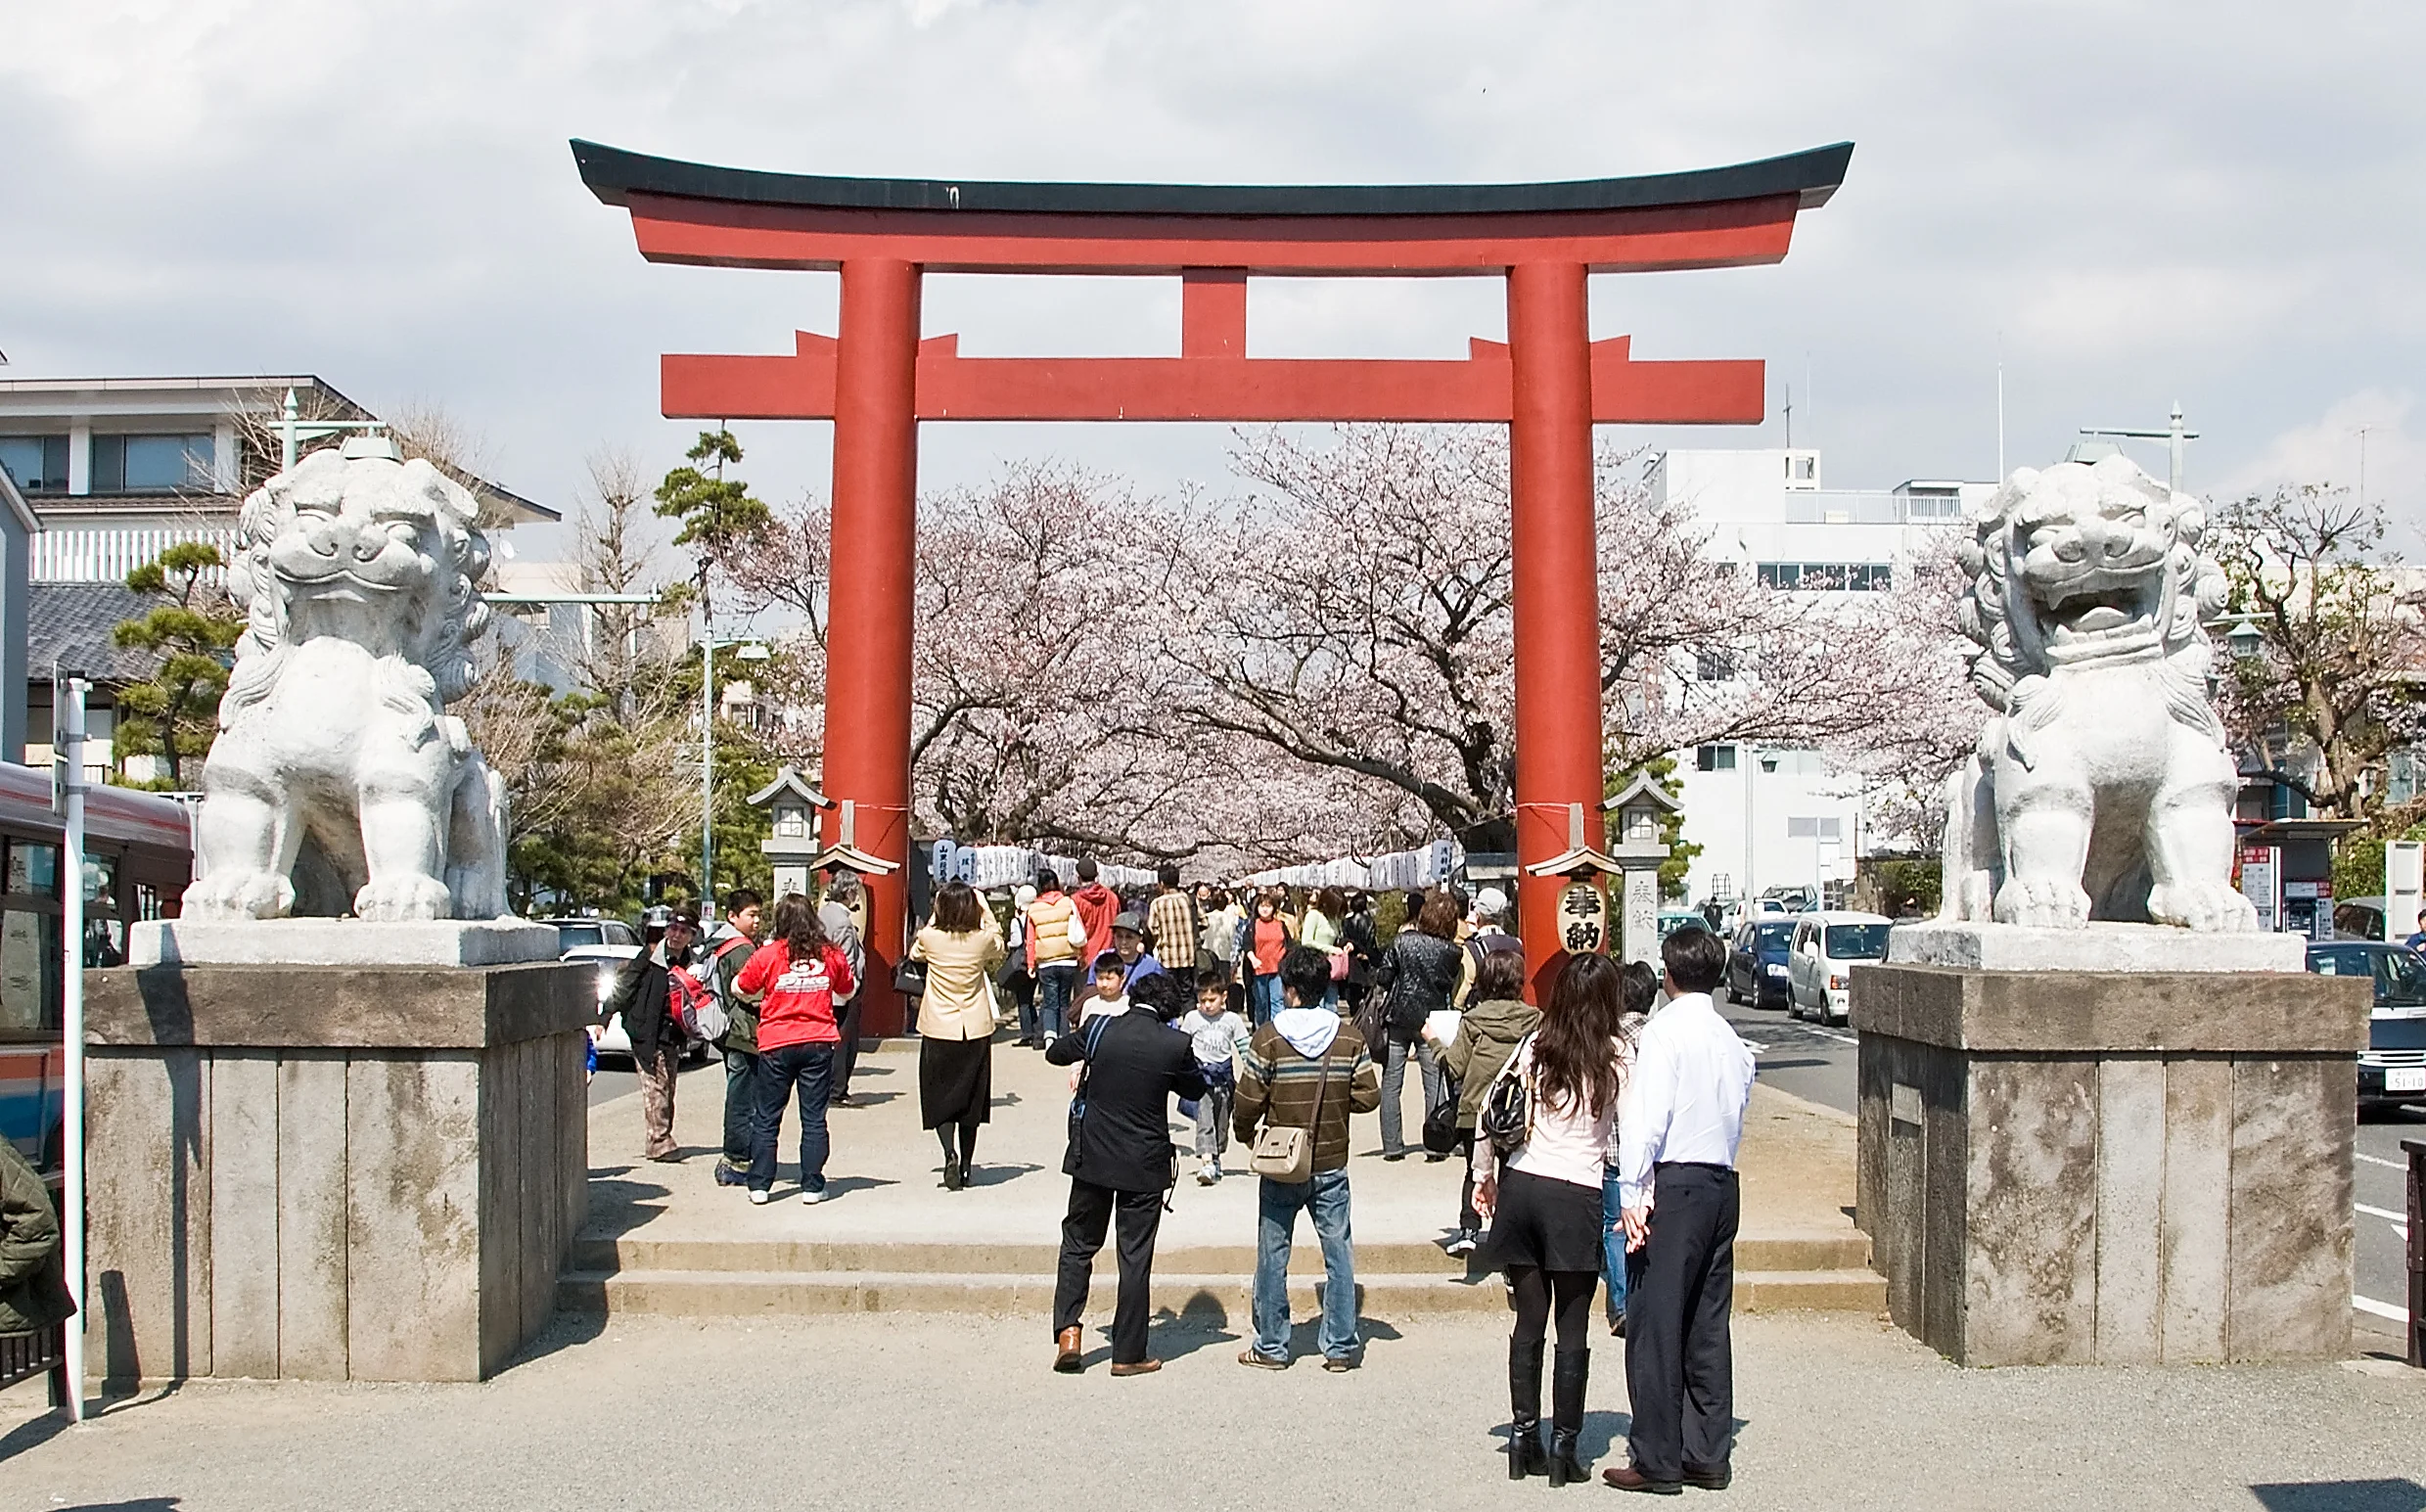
[1821, 1251]
[1218, 1298]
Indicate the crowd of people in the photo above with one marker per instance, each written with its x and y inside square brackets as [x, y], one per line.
[1596, 1133]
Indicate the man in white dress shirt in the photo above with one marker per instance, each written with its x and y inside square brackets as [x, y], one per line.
[1679, 1125]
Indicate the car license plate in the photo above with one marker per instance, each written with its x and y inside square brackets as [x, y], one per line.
[2404, 1078]
[1774, 971]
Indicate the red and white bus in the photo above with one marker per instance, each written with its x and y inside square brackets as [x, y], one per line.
[138, 857]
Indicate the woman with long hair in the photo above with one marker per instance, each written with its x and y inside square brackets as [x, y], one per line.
[1264, 935]
[1543, 1202]
[801, 972]
[956, 1023]
[1320, 929]
[1417, 974]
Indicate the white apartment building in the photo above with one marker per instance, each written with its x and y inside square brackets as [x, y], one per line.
[1775, 816]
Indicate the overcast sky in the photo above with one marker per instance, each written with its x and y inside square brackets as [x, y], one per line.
[2135, 203]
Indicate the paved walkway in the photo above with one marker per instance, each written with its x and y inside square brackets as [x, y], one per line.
[661, 1415]
[885, 1172]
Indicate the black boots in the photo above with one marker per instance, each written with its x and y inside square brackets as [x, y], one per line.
[1524, 1456]
[1568, 1373]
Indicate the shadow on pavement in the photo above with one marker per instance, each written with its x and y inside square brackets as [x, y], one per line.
[32, 1434]
[564, 1331]
[2341, 1496]
[996, 1175]
[139, 1505]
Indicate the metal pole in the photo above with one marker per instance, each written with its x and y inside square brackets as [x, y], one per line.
[2174, 446]
[706, 769]
[286, 449]
[70, 748]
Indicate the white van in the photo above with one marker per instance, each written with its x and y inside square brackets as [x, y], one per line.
[1820, 961]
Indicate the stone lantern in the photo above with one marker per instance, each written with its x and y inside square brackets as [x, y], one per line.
[792, 845]
[1636, 846]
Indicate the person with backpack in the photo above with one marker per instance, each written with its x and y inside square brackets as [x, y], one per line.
[1489, 918]
[802, 976]
[1301, 1077]
[728, 950]
[1418, 972]
[1121, 1162]
[1547, 1123]
[646, 995]
[1487, 1033]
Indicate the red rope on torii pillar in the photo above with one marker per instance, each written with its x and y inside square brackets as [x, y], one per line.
[1550, 383]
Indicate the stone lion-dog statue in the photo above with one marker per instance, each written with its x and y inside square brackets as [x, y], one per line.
[2100, 787]
[337, 782]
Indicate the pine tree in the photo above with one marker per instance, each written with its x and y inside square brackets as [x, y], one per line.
[175, 713]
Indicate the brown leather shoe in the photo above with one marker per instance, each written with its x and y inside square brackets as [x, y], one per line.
[1716, 1479]
[1136, 1367]
[1072, 1344]
[1627, 1478]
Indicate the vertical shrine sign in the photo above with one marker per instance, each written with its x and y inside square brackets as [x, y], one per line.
[876, 378]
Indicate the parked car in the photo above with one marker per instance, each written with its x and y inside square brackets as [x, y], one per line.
[604, 961]
[575, 932]
[1756, 963]
[1674, 919]
[1820, 961]
[2392, 1069]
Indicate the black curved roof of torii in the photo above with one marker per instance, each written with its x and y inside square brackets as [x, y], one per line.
[613, 175]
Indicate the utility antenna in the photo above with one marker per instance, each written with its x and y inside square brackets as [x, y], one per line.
[1790, 422]
[2362, 465]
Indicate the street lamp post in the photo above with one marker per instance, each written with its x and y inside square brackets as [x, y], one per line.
[749, 651]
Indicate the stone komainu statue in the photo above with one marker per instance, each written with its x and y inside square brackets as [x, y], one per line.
[2100, 787]
[339, 782]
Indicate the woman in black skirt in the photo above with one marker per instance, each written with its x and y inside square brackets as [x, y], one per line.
[1543, 1202]
[956, 1023]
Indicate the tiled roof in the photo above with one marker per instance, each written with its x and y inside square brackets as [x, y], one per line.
[69, 624]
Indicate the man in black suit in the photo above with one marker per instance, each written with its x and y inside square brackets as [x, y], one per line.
[1120, 1162]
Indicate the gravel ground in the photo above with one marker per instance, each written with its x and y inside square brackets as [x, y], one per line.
[932, 1412]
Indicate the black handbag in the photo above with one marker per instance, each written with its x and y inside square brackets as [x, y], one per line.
[1440, 1122]
[909, 978]
[1507, 1117]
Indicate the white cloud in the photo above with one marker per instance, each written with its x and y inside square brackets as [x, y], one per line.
[2367, 442]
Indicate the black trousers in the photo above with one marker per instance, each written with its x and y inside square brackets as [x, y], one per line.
[846, 1054]
[1091, 1210]
[1679, 1355]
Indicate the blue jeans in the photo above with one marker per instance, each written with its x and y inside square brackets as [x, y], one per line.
[1326, 1197]
[741, 1106]
[1053, 987]
[810, 1069]
[1616, 1264]
[1262, 996]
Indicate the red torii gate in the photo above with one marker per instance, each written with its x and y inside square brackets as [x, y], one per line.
[1549, 383]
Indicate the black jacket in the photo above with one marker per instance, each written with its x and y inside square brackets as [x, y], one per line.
[644, 996]
[1124, 1142]
[1417, 974]
[1364, 949]
[33, 1284]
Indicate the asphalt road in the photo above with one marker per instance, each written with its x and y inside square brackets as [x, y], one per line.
[1817, 1064]
[615, 1078]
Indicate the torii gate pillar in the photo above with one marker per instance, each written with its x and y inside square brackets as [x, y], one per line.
[1559, 753]
[871, 601]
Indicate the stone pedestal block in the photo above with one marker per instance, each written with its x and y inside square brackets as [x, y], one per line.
[2112, 1166]
[366, 1173]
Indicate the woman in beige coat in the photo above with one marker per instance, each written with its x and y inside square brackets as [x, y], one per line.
[961, 948]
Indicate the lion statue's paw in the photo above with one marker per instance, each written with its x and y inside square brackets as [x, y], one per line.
[2042, 902]
[241, 894]
[2208, 906]
[396, 899]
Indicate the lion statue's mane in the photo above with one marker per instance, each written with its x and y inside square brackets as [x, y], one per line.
[2086, 609]
[358, 574]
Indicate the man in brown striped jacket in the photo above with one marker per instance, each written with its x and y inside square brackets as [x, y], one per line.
[1307, 1068]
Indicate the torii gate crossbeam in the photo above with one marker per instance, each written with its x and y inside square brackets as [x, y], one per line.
[876, 380]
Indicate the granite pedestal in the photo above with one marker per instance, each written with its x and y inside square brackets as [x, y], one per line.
[2117, 1166]
[365, 1171]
